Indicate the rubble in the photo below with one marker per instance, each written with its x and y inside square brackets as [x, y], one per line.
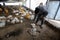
[17, 15]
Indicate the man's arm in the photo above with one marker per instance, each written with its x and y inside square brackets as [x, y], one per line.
[36, 10]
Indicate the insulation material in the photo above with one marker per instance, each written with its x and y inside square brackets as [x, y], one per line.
[6, 10]
[21, 17]
[32, 17]
[30, 13]
[17, 14]
[9, 16]
[15, 20]
[27, 16]
[21, 21]
[33, 30]
[8, 20]
[23, 14]
[15, 11]
[21, 9]
[33, 25]
[0, 9]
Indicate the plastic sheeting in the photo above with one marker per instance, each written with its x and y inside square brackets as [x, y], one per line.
[52, 8]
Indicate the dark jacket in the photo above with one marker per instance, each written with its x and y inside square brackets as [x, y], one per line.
[41, 11]
[38, 9]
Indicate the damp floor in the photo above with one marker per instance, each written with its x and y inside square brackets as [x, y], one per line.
[46, 33]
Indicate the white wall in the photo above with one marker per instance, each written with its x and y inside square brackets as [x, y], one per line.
[27, 3]
[1, 3]
[34, 3]
[16, 3]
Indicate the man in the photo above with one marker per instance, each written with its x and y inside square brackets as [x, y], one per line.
[40, 13]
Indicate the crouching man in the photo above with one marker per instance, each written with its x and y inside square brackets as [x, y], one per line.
[40, 14]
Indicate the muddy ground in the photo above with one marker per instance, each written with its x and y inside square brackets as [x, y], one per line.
[46, 33]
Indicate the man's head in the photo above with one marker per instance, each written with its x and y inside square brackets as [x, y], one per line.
[41, 4]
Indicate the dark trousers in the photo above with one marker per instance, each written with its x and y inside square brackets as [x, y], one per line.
[37, 18]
